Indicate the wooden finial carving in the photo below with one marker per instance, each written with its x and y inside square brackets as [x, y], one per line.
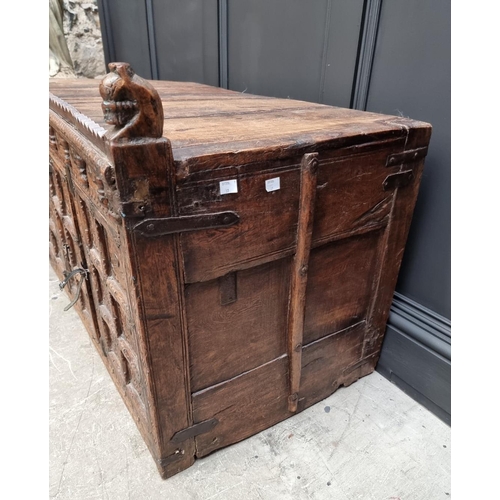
[131, 104]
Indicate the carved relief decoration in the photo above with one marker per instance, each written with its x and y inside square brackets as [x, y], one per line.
[81, 236]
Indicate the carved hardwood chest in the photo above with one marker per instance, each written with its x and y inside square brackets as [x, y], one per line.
[233, 257]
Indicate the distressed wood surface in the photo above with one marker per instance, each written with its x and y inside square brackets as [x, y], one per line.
[340, 297]
[298, 281]
[209, 127]
[267, 224]
[220, 314]
[244, 405]
[250, 321]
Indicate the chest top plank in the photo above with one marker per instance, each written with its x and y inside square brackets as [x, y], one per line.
[208, 125]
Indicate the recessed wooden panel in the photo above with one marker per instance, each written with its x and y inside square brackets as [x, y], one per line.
[243, 406]
[351, 195]
[340, 284]
[326, 364]
[226, 339]
[267, 225]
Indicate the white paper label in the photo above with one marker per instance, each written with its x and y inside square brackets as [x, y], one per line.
[272, 184]
[227, 187]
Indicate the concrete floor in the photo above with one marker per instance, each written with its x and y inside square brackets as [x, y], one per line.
[368, 441]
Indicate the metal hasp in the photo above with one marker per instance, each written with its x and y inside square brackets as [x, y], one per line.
[151, 228]
[401, 179]
[406, 157]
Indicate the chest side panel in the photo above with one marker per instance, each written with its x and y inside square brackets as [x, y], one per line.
[238, 293]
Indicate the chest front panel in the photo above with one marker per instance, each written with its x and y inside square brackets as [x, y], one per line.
[89, 253]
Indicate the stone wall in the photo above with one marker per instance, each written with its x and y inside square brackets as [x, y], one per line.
[82, 32]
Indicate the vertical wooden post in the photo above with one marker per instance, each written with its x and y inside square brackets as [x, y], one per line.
[296, 309]
[144, 176]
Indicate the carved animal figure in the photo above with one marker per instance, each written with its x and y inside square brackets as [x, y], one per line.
[131, 104]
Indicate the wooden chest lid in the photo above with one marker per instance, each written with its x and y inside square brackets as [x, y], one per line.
[207, 125]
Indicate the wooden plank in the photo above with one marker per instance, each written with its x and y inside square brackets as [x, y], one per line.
[327, 364]
[196, 123]
[339, 284]
[200, 157]
[267, 223]
[313, 124]
[298, 282]
[228, 339]
[157, 289]
[244, 405]
[185, 108]
[352, 189]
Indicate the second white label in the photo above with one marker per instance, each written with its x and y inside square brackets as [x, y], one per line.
[273, 184]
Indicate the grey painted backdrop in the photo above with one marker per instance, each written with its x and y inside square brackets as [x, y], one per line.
[411, 76]
[387, 56]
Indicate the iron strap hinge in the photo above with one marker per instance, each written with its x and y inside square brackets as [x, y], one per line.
[194, 430]
[187, 433]
[406, 157]
[151, 228]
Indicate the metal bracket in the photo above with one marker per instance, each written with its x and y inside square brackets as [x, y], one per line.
[134, 208]
[406, 157]
[194, 430]
[398, 180]
[151, 228]
[67, 277]
[228, 289]
[178, 454]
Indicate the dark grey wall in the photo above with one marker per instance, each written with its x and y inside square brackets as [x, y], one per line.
[124, 27]
[296, 49]
[411, 76]
[168, 40]
[389, 56]
[187, 51]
